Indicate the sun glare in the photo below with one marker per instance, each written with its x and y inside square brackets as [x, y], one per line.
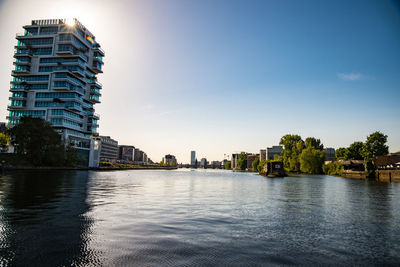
[70, 22]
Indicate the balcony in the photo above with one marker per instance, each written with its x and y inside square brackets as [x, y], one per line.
[93, 115]
[73, 107]
[68, 88]
[23, 53]
[95, 91]
[78, 72]
[20, 62]
[98, 59]
[88, 105]
[65, 51]
[94, 99]
[99, 50]
[21, 69]
[96, 83]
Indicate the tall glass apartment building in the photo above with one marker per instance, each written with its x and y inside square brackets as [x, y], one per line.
[56, 63]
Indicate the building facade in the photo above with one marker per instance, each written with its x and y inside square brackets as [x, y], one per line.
[263, 154]
[203, 163]
[126, 153]
[272, 151]
[108, 149]
[55, 78]
[193, 158]
[250, 159]
[234, 160]
[170, 160]
[138, 155]
[330, 154]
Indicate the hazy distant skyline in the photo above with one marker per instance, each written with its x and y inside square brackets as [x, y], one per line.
[224, 76]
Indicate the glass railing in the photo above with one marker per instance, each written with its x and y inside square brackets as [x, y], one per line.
[94, 97]
[65, 49]
[96, 83]
[22, 68]
[95, 90]
[68, 86]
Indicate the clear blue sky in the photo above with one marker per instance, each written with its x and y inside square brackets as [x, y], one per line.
[225, 76]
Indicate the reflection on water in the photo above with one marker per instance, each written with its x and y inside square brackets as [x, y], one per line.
[42, 218]
[152, 218]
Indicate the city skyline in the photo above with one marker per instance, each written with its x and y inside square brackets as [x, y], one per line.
[238, 80]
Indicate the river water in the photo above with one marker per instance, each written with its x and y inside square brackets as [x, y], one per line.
[195, 218]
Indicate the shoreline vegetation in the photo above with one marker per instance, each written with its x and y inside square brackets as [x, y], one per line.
[308, 157]
[37, 146]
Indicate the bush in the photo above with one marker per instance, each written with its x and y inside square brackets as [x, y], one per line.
[333, 168]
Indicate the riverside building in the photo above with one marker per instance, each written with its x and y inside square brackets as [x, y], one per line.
[55, 78]
[108, 149]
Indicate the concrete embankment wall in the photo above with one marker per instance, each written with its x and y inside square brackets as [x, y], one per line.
[388, 176]
[353, 174]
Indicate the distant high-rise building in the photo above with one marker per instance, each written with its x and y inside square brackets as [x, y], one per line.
[56, 63]
[192, 158]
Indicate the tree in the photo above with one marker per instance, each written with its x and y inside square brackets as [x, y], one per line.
[314, 143]
[354, 151]
[161, 163]
[35, 140]
[172, 164]
[255, 163]
[289, 141]
[333, 168]
[71, 157]
[293, 145]
[341, 153]
[311, 160]
[375, 146]
[242, 161]
[261, 164]
[228, 165]
[4, 141]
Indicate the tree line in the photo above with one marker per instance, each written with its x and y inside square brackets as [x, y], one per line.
[308, 156]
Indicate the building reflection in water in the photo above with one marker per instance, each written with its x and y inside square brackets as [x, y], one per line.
[42, 218]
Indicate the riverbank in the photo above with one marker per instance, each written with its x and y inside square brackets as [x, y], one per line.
[133, 167]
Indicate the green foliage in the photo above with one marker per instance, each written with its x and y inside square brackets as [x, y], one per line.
[341, 153]
[314, 143]
[289, 141]
[4, 141]
[255, 163]
[261, 164]
[333, 168]
[302, 156]
[172, 164]
[35, 140]
[161, 163]
[242, 161]
[71, 157]
[311, 160]
[375, 146]
[354, 151]
[293, 145]
[228, 165]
